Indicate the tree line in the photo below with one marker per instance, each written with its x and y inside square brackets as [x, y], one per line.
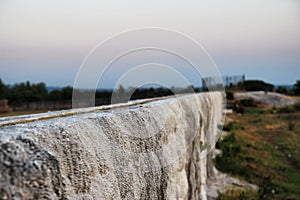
[32, 92]
[258, 85]
[27, 92]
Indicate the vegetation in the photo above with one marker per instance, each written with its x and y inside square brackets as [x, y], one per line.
[288, 109]
[229, 95]
[264, 152]
[247, 102]
[282, 90]
[23, 93]
[236, 193]
[3, 90]
[297, 88]
[232, 126]
[256, 85]
[27, 92]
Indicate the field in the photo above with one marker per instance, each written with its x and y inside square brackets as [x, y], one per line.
[262, 147]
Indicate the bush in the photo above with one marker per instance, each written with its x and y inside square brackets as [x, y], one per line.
[229, 95]
[240, 110]
[227, 127]
[248, 102]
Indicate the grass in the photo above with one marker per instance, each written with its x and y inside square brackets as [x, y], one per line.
[254, 110]
[265, 151]
[231, 126]
[236, 193]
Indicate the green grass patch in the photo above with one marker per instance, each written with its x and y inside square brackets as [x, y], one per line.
[265, 152]
[254, 110]
[232, 126]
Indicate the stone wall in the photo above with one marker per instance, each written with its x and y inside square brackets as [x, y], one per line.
[149, 149]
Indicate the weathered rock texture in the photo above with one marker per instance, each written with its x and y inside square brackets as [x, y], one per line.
[269, 98]
[143, 150]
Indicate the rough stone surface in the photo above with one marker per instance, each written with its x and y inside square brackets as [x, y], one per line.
[147, 150]
[269, 98]
[219, 183]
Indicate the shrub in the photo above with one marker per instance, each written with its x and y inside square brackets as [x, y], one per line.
[248, 102]
[229, 95]
[240, 110]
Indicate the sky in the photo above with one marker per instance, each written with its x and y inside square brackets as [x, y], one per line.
[47, 41]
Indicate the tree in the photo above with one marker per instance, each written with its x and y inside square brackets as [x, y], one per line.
[27, 92]
[40, 91]
[297, 87]
[55, 95]
[67, 93]
[258, 85]
[282, 90]
[121, 90]
[3, 90]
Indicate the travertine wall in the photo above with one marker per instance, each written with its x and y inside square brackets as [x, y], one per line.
[152, 149]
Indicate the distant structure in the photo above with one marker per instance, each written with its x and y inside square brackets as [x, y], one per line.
[233, 81]
[214, 83]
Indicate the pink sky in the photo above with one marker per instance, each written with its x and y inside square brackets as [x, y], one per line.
[48, 40]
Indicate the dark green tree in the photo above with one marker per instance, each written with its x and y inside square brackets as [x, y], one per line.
[27, 92]
[282, 90]
[67, 93]
[258, 85]
[297, 87]
[55, 95]
[40, 91]
[3, 90]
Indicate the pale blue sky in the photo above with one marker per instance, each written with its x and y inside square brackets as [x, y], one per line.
[48, 40]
